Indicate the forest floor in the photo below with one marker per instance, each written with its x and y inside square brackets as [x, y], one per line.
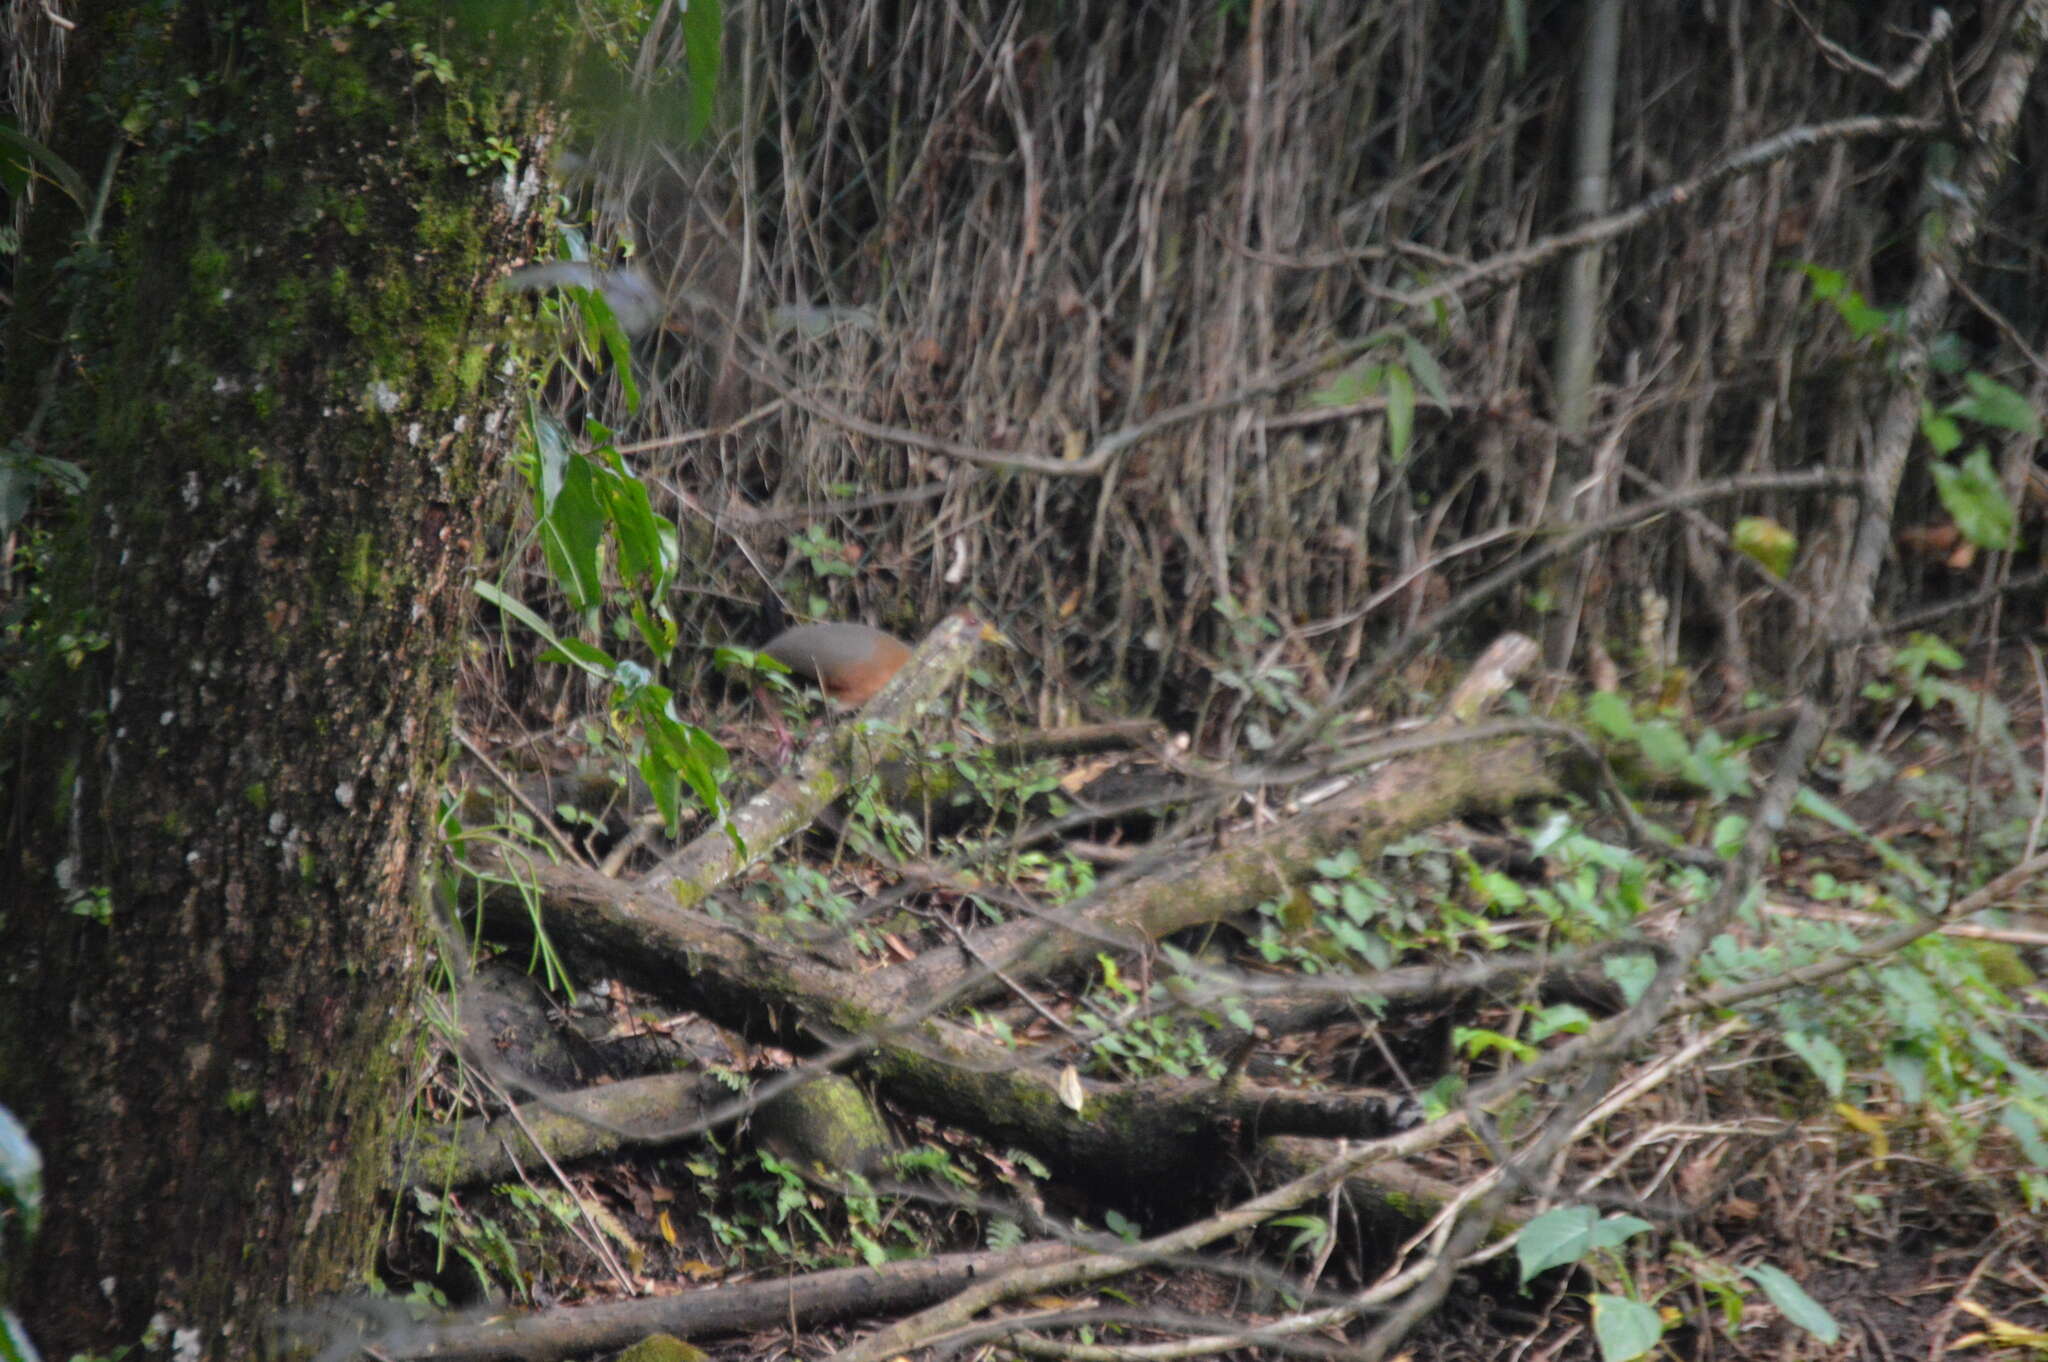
[1909, 1217]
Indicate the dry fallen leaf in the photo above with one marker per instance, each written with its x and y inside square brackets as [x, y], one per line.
[1072, 1094]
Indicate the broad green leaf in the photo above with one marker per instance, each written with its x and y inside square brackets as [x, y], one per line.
[1994, 404]
[571, 532]
[1973, 495]
[552, 452]
[1927, 650]
[12, 139]
[1555, 1238]
[1941, 431]
[1631, 974]
[1559, 1017]
[1729, 833]
[1610, 713]
[1625, 1329]
[657, 628]
[598, 317]
[1864, 320]
[1793, 1302]
[646, 541]
[1617, 1230]
[1822, 1056]
[1720, 767]
[1502, 891]
[664, 782]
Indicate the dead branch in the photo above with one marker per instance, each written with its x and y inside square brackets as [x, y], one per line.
[839, 1293]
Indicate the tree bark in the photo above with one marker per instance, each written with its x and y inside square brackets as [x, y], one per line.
[230, 691]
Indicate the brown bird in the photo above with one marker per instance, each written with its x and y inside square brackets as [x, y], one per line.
[850, 662]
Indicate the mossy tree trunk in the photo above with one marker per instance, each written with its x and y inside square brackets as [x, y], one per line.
[280, 369]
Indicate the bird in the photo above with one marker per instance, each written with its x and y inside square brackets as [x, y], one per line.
[850, 662]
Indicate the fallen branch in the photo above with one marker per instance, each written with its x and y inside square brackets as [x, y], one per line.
[798, 1301]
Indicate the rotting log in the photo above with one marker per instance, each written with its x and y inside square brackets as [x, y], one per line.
[1406, 797]
[743, 977]
[568, 1125]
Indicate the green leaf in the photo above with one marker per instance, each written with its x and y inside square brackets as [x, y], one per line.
[646, 541]
[1922, 651]
[1941, 431]
[1793, 1302]
[1555, 1238]
[1994, 404]
[490, 592]
[2026, 1131]
[1766, 541]
[1352, 384]
[1559, 1017]
[1729, 833]
[552, 453]
[588, 656]
[1973, 495]
[1477, 1040]
[1501, 890]
[1610, 713]
[664, 782]
[1808, 801]
[571, 531]
[1826, 283]
[1664, 745]
[1908, 1068]
[1864, 320]
[1719, 767]
[1400, 410]
[1617, 1230]
[12, 140]
[657, 628]
[1425, 369]
[1625, 1329]
[1822, 1056]
[15, 1344]
[1310, 1230]
[1631, 974]
[1826, 810]
[704, 41]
